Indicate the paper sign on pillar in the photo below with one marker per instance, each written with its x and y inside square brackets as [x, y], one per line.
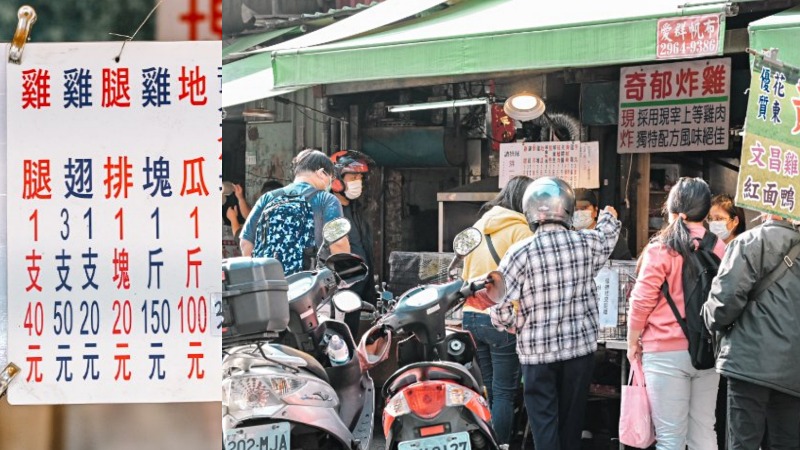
[113, 197]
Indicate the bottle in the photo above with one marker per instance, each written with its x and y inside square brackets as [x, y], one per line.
[337, 351]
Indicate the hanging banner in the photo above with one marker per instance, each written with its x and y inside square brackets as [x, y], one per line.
[689, 37]
[577, 163]
[114, 180]
[769, 176]
[675, 107]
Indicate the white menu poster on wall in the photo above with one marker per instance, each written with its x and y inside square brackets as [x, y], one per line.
[577, 163]
[114, 169]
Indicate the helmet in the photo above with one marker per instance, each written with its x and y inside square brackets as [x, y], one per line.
[548, 200]
[348, 161]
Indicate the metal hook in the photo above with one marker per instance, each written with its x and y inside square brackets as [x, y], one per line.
[26, 16]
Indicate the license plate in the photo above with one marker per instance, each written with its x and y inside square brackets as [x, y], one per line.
[455, 441]
[274, 436]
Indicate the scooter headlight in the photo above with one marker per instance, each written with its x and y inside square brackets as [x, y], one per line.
[249, 392]
[313, 393]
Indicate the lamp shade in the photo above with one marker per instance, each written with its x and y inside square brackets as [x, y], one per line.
[524, 106]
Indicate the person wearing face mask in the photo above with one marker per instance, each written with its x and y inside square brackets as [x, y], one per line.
[726, 220]
[350, 171]
[585, 218]
[313, 176]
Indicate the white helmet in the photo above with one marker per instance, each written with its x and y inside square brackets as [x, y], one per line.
[548, 200]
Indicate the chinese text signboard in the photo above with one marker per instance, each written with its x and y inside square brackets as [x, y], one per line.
[689, 37]
[769, 175]
[114, 180]
[675, 107]
[189, 20]
[577, 163]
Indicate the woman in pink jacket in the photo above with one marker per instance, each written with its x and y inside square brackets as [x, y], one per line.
[682, 398]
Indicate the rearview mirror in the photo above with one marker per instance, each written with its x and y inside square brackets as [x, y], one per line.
[346, 301]
[467, 241]
[335, 229]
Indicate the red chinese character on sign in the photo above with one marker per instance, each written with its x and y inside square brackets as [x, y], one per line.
[193, 174]
[628, 118]
[687, 82]
[714, 79]
[661, 84]
[193, 85]
[790, 164]
[118, 177]
[121, 269]
[634, 85]
[774, 161]
[33, 271]
[796, 103]
[33, 365]
[758, 154]
[195, 358]
[193, 17]
[216, 17]
[115, 88]
[36, 179]
[35, 88]
[626, 139]
[122, 364]
[193, 263]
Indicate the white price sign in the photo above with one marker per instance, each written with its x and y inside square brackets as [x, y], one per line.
[114, 173]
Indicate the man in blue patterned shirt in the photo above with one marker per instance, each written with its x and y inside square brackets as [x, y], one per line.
[551, 303]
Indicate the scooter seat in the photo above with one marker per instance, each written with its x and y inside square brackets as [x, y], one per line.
[312, 364]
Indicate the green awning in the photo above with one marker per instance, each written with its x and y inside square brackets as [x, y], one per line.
[781, 31]
[251, 40]
[251, 78]
[485, 36]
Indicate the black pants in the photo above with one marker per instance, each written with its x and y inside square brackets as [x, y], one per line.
[555, 398]
[751, 407]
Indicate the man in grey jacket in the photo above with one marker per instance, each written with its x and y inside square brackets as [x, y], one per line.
[760, 336]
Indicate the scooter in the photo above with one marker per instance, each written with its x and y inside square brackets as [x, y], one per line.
[284, 385]
[436, 400]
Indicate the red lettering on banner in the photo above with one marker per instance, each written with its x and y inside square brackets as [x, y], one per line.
[193, 263]
[35, 88]
[118, 177]
[687, 82]
[714, 79]
[193, 85]
[634, 86]
[33, 366]
[121, 268]
[122, 364]
[216, 17]
[660, 84]
[33, 271]
[195, 358]
[193, 174]
[36, 179]
[193, 17]
[116, 87]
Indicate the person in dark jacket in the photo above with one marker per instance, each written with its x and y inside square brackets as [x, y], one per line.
[760, 336]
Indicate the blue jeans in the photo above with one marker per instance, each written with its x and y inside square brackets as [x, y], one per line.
[497, 357]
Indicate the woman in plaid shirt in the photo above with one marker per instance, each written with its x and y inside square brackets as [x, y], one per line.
[551, 302]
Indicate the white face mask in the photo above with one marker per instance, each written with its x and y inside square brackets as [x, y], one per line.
[720, 228]
[353, 189]
[582, 219]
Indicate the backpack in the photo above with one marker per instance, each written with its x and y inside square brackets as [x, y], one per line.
[285, 230]
[696, 286]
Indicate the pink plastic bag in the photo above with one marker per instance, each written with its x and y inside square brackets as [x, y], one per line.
[635, 422]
